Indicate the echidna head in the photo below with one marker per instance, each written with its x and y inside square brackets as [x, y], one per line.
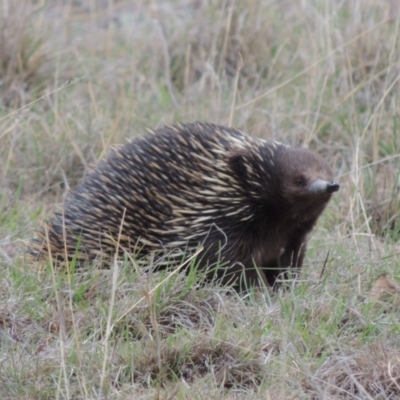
[307, 181]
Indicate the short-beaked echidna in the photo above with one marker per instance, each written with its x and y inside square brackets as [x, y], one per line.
[249, 202]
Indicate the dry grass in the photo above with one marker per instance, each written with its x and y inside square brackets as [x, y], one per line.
[77, 76]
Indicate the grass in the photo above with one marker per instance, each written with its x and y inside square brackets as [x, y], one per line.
[79, 76]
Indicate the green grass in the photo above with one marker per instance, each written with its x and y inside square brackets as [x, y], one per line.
[79, 76]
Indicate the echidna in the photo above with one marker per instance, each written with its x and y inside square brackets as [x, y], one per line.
[249, 202]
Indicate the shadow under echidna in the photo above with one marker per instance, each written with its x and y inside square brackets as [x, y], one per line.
[250, 203]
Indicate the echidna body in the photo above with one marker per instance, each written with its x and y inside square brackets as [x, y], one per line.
[249, 202]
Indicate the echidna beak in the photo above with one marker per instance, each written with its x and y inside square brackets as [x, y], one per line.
[333, 186]
[320, 186]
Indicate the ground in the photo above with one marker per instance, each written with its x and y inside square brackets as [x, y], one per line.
[77, 76]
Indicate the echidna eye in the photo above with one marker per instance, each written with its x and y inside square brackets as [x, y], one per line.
[300, 181]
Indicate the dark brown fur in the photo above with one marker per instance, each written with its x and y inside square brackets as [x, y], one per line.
[249, 202]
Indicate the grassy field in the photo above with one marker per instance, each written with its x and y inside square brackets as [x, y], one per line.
[79, 75]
